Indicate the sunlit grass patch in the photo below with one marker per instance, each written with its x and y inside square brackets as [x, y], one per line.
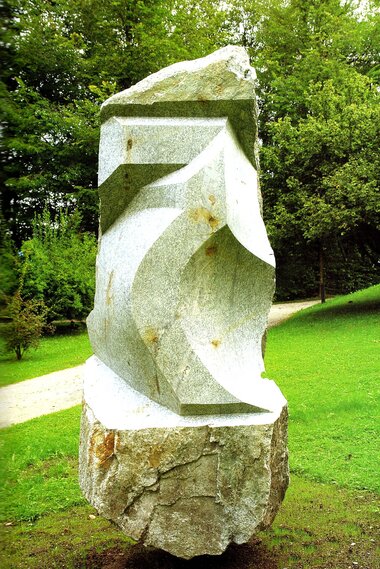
[326, 361]
[38, 466]
[54, 353]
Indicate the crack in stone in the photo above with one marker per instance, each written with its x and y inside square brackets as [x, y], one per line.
[184, 498]
[159, 477]
[188, 463]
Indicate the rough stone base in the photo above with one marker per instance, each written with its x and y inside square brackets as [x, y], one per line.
[188, 485]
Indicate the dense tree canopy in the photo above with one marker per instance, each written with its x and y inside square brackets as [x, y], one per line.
[65, 58]
[318, 69]
[318, 72]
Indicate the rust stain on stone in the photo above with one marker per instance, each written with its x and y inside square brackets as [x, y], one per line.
[151, 335]
[216, 343]
[155, 456]
[210, 251]
[102, 446]
[119, 444]
[129, 150]
[212, 199]
[109, 289]
[213, 222]
[94, 437]
[202, 214]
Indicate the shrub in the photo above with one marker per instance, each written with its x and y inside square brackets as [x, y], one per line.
[59, 266]
[27, 324]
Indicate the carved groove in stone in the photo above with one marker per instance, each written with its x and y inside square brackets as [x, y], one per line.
[200, 275]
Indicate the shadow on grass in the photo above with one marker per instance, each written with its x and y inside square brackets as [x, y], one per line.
[342, 310]
[252, 555]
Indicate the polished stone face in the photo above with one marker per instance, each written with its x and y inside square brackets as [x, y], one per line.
[185, 272]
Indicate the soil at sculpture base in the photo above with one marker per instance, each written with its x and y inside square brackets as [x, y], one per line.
[252, 555]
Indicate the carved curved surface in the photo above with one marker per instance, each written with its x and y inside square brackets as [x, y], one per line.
[185, 273]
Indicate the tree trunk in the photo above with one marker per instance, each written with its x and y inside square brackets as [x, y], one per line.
[18, 352]
[322, 290]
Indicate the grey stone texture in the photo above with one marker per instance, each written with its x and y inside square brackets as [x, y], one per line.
[181, 436]
[185, 271]
[188, 485]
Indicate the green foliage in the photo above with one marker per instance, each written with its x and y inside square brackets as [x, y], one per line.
[317, 90]
[351, 264]
[328, 161]
[325, 359]
[8, 270]
[28, 321]
[51, 151]
[319, 123]
[65, 58]
[59, 266]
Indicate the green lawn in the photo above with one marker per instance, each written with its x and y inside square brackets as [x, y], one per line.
[326, 361]
[45, 522]
[38, 461]
[319, 526]
[54, 353]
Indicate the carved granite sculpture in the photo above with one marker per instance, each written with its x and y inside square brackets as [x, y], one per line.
[183, 444]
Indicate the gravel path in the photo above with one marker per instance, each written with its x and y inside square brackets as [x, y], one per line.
[40, 396]
[63, 389]
[280, 312]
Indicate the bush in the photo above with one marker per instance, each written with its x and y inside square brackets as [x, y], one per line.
[58, 266]
[27, 324]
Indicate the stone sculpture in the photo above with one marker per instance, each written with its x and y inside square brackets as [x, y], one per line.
[183, 444]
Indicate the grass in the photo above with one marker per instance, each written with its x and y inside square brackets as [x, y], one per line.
[54, 353]
[38, 462]
[325, 360]
[62, 539]
[318, 526]
[323, 525]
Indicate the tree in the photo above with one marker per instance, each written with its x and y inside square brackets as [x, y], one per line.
[329, 166]
[58, 266]
[51, 158]
[319, 125]
[317, 121]
[28, 320]
[8, 262]
[64, 59]
[50, 137]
